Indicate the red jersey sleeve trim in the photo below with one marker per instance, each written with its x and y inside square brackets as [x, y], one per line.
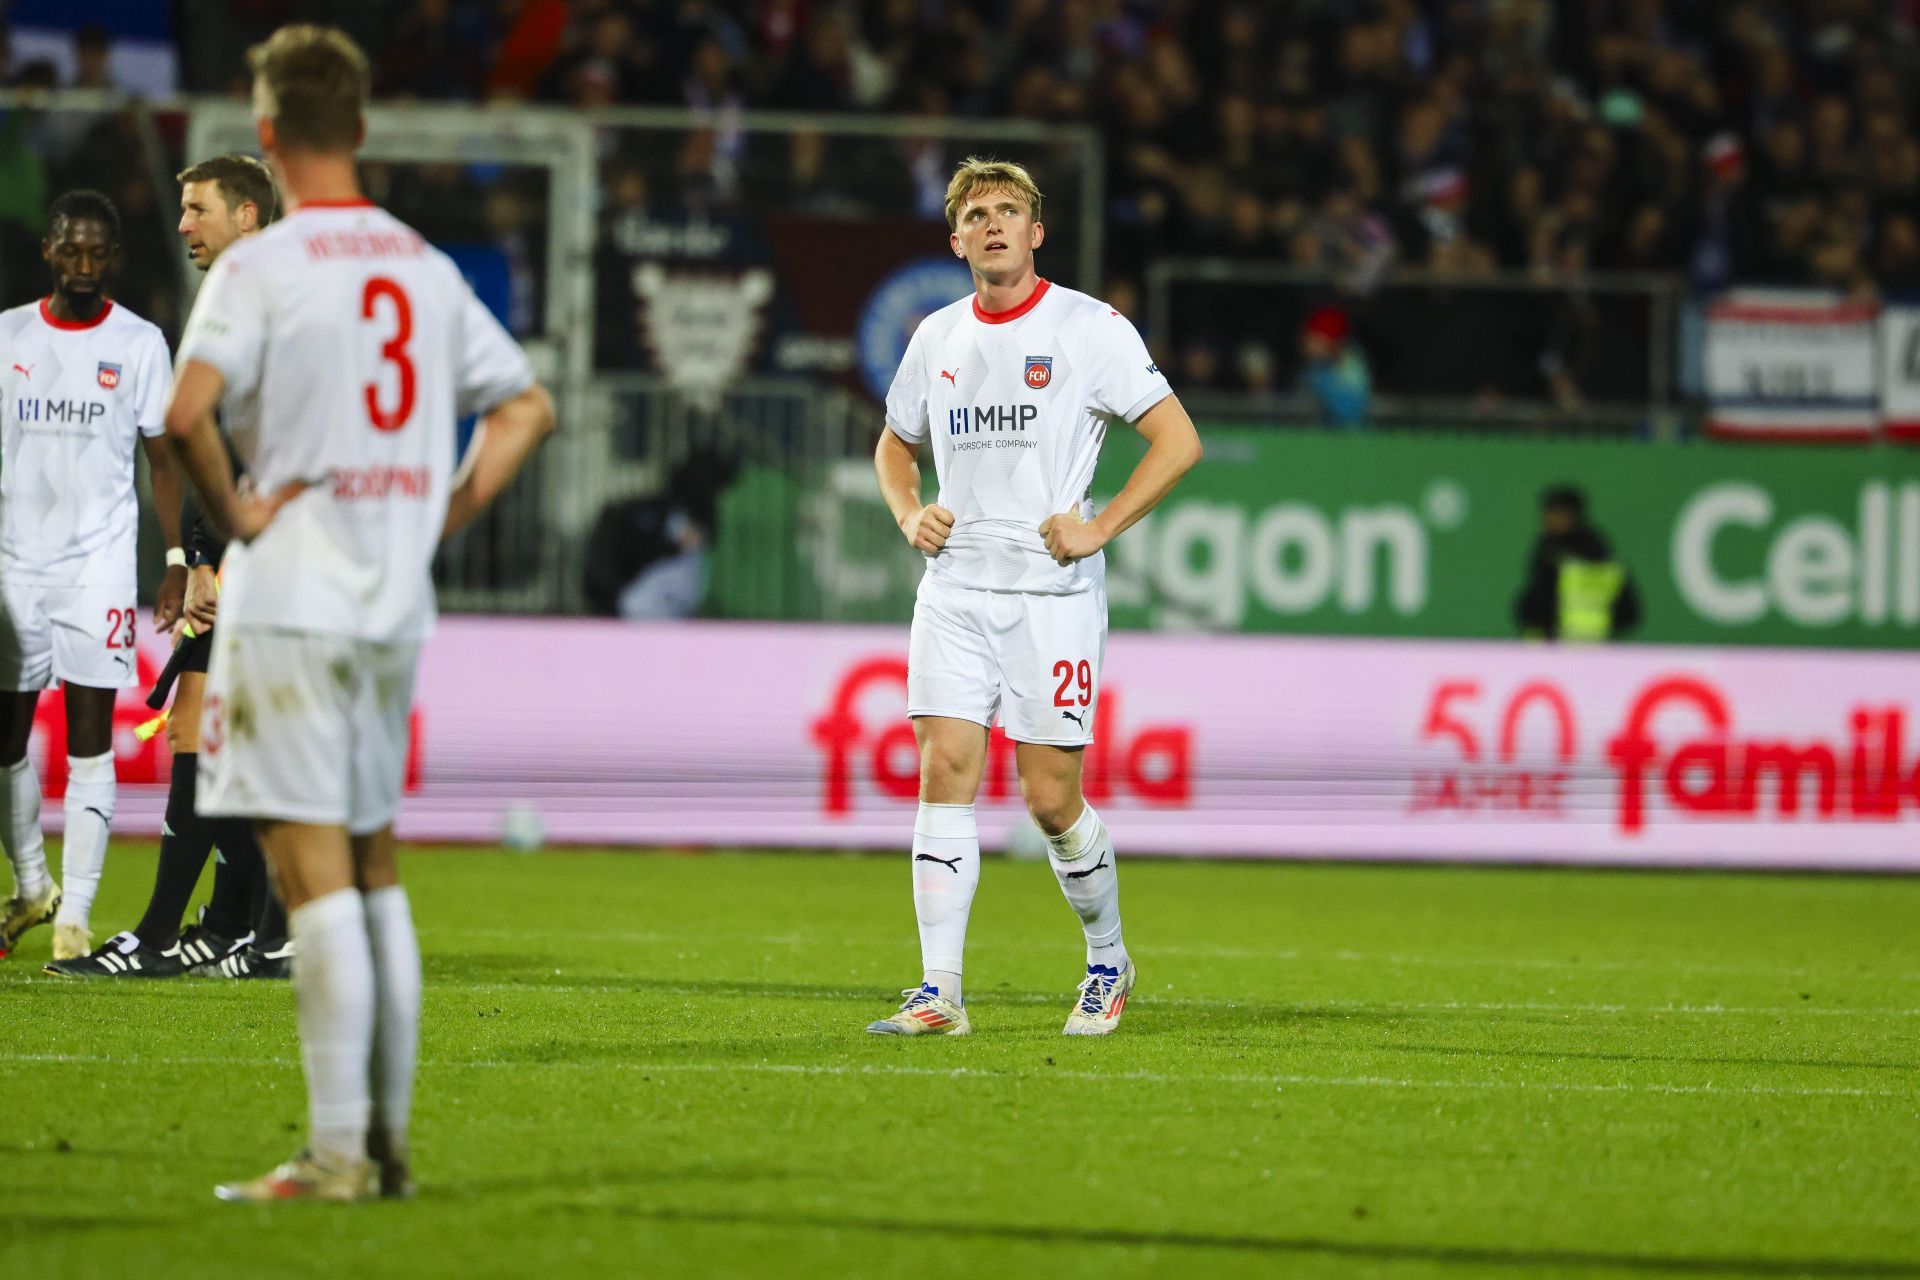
[1011, 313]
[46, 314]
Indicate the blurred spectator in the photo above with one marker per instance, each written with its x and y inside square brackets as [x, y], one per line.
[1336, 370]
[92, 49]
[1897, 256]
[437, 51]
[647, 557]
[1574, 588]
[1347, 238]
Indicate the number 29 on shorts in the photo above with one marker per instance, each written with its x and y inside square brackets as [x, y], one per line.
[1076, 683]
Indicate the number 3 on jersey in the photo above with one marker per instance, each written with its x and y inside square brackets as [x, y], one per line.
[394, 352]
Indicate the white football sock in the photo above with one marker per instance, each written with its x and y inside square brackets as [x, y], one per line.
[90, 797]
[396, 1020]
[946, 871]
[20, 828]
[333, 990]
[1083, 862]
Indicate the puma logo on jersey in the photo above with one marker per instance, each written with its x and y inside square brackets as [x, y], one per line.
[1082, 875]
[951, 864]
[1077, 719]
[949, 377]
[25, 371]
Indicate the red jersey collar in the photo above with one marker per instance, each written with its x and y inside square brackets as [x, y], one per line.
[360, 203]
[984, 316]
[46, 314]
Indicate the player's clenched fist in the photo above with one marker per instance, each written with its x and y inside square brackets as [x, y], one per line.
[928, 528]
[1070, 538]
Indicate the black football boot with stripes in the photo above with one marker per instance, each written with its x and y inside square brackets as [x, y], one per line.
[200, 946]
[121, 956]
[253, 961]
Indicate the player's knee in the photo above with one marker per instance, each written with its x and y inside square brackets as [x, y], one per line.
[946, 774]
[1053, 805]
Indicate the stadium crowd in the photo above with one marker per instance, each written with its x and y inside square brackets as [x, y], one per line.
[1754, 140]
[1760, 141]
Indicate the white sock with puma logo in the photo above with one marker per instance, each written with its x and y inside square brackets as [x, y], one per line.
[1083, 863]
[946, 871]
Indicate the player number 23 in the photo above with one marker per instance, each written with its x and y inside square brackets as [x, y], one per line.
[394, 352]
[120, 628]
[1080, 674]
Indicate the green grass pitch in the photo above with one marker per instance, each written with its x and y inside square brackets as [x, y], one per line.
[653, 1065]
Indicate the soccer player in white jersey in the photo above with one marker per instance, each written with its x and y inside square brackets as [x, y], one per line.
[1015, 386]
[85, 384]
[359, 346]
[221, 200]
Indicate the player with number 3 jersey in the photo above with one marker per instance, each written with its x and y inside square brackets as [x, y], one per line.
[344, 348]
[1015, 387]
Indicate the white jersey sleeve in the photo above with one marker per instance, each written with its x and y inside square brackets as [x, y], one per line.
[1126, 381]
[155, 377]
[907, 397]
[493, 368]
[228, 327]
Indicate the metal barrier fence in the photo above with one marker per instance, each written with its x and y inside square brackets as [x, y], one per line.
[1485, 349]
[739, 286]
[688, 283]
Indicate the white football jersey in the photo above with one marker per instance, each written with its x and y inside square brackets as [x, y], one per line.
[78, 397]
[350, 346]
[1017, 404]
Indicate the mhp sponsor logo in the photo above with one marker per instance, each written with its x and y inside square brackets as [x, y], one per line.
[991, 417]
[73, 412]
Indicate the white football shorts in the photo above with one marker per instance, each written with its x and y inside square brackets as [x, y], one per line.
[80, 634]
[304, 727]
[1033, 660]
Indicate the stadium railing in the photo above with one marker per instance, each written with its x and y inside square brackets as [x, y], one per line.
[684, 280]
[1445, 349]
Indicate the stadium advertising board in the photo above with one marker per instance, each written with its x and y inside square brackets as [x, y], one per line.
[782, 735]
[1392, 535]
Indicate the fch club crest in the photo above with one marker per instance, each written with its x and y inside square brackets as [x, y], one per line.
[109, 375]
[1039, 371]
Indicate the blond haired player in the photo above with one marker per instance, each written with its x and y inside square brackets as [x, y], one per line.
[358, 345]
[1015, 386]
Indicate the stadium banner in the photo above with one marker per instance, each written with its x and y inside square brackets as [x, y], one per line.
[1406, 535]
[705, 300]
[1792, 364]
[743, 734]
[1900, 372]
